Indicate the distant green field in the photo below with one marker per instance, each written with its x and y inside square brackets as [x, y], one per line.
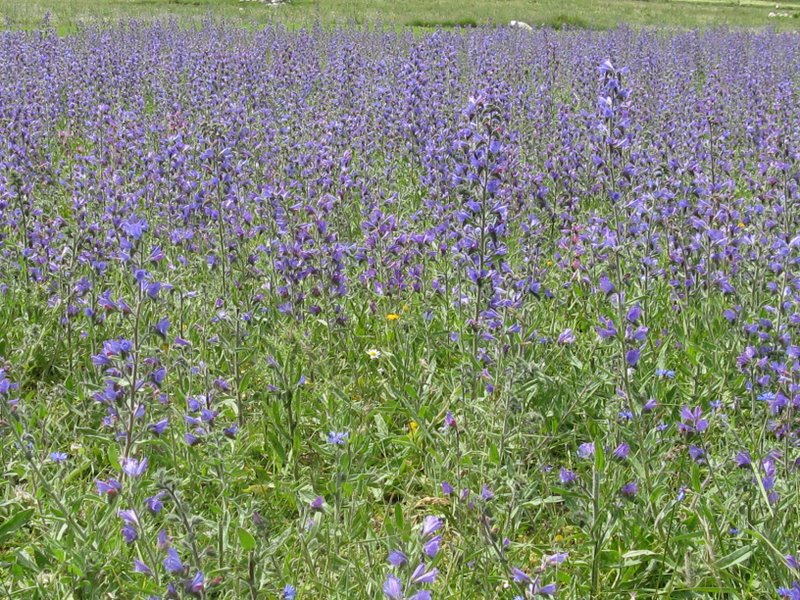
[66, 15]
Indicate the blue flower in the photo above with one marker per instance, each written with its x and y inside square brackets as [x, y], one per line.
[566, 476]
[421, 575]
[154, 503]
[134, 227]
[338, 438]
[586, 450]
[159, 427]
[431, 547]
[397, 558]
[162, 327]
[109, 488]
[393, 587]
[134, 468]
[431, 525]
[59, 457]
[140, 567]
[289, 592]
[172, 563]
[196, 584]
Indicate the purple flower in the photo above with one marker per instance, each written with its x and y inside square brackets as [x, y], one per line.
[158, 428]
[140, 567]
[134, 227]
[393, 587]
[172, 563]
[59, 457]
[629, 490]
[743, 460]
[420, 575]
[131, 523]
[156, 255]
[621, 452]
[397, 558]
[545, 590]
[605, 285]
[109, 488]
[696, 453]
[430, 525]
[447, 489]
[566, 337]
[162, 327]
[586, 450]
[692, 420]
[289, 592]
[431, 547]
[556, 559]
[520, 576]
[158, 375]
[338, 438]
[486, 493]
[154, 503]
[634, 314]
[153, 289]
[163, 540]
[129, 533]
[566, 476]
[792, 593]
[606, 329]
[650, 405]
[632, 356]
[133, 467]
[196, 584]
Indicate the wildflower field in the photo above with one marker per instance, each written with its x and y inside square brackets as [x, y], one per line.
[354, 313]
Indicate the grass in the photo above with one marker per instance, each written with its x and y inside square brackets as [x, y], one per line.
[67, 15]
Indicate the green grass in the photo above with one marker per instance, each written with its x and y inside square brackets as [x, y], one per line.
[67, 15]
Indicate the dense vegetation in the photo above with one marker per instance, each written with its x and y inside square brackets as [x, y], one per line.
[360, 314]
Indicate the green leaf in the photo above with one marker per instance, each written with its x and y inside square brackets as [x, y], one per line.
[734, 558]
[541, 501]
[399, 520]
[599, 456]
[636, 557]
[247, 540]
[380, 425]
[24, 560]
[494, 455]
[13, 523]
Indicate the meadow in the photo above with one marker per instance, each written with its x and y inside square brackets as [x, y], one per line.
[422, 15]
[362, 313]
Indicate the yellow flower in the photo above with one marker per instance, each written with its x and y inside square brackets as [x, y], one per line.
[392, 317]
[741, 225]
[412, 427]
